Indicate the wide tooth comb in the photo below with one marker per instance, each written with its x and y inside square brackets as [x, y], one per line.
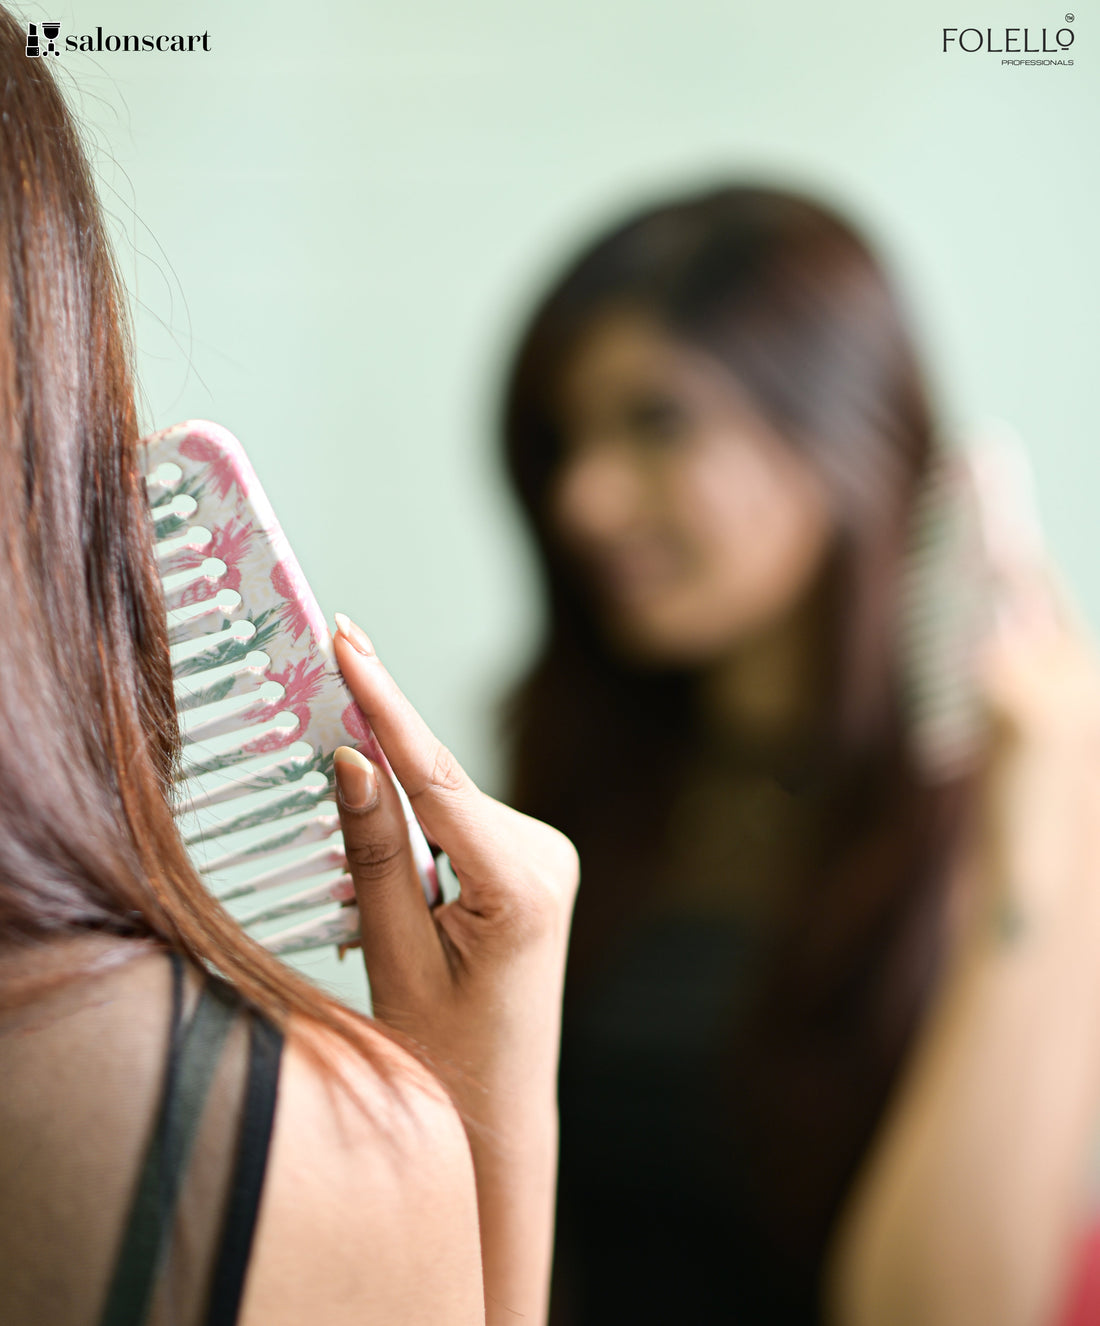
[975, 516]
[256, 777]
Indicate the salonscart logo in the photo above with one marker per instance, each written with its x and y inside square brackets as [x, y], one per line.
[51, 32]
[112, 41]
[1017, 45]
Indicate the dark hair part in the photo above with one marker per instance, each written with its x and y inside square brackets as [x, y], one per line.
[89, 740]
[791, 300]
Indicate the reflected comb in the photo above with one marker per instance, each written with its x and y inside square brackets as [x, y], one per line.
[261, 701]
[975, 520]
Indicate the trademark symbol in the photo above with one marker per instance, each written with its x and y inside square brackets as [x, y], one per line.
[1070, 18]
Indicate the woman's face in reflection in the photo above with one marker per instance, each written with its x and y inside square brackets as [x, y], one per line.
[695, 525]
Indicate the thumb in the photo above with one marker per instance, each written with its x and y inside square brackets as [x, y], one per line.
[399, 938]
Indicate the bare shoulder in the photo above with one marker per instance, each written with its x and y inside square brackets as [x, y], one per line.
[369, 1210]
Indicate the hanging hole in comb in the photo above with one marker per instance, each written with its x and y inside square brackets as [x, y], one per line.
[167, 472]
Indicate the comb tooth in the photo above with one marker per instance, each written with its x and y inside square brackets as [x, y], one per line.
[341, 927]
[201, 587]
[340, 889]
[171, 523]
[211, 619]
[328, 858]
[221, 761]
[302, 799]
[160, 491]
[241, 682]
[197, 536]
[247, 717]
[280, 773]
[232, 650]
[183, 558]
[314, 830]
[255, 742]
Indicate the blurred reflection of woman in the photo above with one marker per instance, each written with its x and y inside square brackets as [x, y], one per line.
[717, 426]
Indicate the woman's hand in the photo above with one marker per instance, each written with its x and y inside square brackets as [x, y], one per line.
[477, 982]
[1038, 850]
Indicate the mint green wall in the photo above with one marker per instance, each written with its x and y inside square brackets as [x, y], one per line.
[330, 223]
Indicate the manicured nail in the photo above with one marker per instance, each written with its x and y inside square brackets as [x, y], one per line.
[356, 781]
[354, 635]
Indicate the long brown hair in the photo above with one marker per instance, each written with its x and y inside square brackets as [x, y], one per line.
[793, 302]
[89, 741]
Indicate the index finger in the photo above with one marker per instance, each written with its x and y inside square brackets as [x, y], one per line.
[436, 785]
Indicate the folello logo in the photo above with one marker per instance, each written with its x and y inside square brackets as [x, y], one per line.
[50, 31]
[1019, 42]
[165, 41]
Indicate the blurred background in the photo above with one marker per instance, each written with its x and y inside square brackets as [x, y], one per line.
[332, 223]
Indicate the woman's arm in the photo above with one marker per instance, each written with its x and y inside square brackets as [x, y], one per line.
[969, 1207]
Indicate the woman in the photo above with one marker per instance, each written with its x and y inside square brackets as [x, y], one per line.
[390, 1194]
[717, 426]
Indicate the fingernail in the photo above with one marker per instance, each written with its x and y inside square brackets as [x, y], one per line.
[356, 781]
[354, 635]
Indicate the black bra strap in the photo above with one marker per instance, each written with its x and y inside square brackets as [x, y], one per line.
[192, 1061]
[257, 1118]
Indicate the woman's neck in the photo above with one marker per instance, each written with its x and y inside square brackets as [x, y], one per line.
[30, 969]
[769, 692]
